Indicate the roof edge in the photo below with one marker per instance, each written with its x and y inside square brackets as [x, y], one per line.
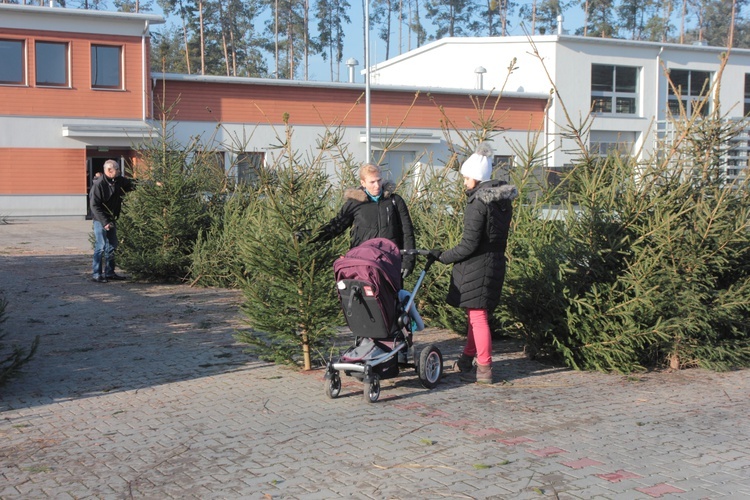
[237, 80]
[63, 11]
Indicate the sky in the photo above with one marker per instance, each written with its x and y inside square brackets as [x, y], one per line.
[319, 69]
[354, 44]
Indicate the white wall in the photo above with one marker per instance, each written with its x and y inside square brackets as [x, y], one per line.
[566, 61]
[429, 145]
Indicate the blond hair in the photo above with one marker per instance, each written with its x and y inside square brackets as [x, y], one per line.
[368, 169]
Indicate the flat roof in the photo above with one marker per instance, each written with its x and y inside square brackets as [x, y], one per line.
[178, 77]
[46, 10]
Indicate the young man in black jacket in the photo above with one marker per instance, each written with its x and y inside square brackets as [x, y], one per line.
[373, 210]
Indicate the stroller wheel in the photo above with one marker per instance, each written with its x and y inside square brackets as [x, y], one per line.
[430, 366]
[372, 388]
[333, 385]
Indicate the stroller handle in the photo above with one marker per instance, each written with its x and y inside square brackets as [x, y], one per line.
[424, 253]
[415, 251]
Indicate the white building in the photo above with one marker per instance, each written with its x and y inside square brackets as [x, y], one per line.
[623, 83]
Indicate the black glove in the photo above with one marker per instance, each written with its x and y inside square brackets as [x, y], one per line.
[407, 265]
[434, 255]
[302, 234]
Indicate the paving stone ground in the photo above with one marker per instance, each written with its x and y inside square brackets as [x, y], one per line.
[139, 391]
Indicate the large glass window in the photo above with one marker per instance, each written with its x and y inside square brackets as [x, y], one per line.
[52, 64]
[501, 166]
[689, 88]
[747, 94]
[614, 89]
[248, 167]
[12, 62]
[106, 67]
[604, 143]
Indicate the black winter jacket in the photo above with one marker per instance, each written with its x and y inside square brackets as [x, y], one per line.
[479, 258]
[105, 197]
[386, 218]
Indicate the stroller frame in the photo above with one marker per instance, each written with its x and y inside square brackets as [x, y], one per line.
[383, 361]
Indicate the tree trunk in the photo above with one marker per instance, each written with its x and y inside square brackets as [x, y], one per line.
[305, 35]
[586, 18]
[306, 351]
[185, 37]
[276, 34]
[682, 21]
[223, 23]
[203, 45]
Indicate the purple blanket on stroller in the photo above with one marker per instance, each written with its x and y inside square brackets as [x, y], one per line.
[376, 261]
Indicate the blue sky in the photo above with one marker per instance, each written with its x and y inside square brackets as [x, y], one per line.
[319, 69]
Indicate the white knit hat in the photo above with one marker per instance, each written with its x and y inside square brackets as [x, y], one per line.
[479, 166]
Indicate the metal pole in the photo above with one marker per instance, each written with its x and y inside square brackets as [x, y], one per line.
[367, 81]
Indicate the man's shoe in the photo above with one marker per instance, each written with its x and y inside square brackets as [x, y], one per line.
[99, 279]
[464, 364]
[116, 277]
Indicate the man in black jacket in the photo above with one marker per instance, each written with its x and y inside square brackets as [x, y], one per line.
[105, 200]
[373, 210]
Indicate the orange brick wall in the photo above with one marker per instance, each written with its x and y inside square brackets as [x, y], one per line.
[42, 171]
[79, 100]
[232, 103]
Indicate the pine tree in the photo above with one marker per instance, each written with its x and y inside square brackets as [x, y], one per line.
[11, 360]
[290, 300]
[179, 190]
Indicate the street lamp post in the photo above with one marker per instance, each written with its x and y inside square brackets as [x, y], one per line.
[367, 81]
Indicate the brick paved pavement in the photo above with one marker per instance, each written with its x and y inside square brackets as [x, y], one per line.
[165, 407]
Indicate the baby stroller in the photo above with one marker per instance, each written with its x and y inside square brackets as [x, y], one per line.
[382, 318]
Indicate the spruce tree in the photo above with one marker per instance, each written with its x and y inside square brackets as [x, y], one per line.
[290, 295]
[14, 357]
[180, 188]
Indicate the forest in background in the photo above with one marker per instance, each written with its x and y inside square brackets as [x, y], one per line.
[278, 38]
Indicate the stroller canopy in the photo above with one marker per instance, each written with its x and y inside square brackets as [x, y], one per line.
[377, 260]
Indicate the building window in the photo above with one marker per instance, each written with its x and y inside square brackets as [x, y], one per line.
[52, 64]
[106, 67]
[747, 94]
[12, 62]
[689, 88]
[248, 167]
[501, 167]
[614, 89]
[604, 143]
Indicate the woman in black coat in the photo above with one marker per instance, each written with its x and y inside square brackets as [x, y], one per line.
[479, 259]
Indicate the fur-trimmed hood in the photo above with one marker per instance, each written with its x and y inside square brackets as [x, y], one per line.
[358, 194]
[491, 194]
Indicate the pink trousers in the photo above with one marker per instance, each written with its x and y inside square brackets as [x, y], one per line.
[479, 340]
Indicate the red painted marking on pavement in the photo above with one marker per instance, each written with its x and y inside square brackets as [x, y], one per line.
[410, 406]
[580, 464]
[546, 452]
[515, 441]
[617, 476]
[437, 413]
[458, 423]
[484, 432]
[659, 490]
